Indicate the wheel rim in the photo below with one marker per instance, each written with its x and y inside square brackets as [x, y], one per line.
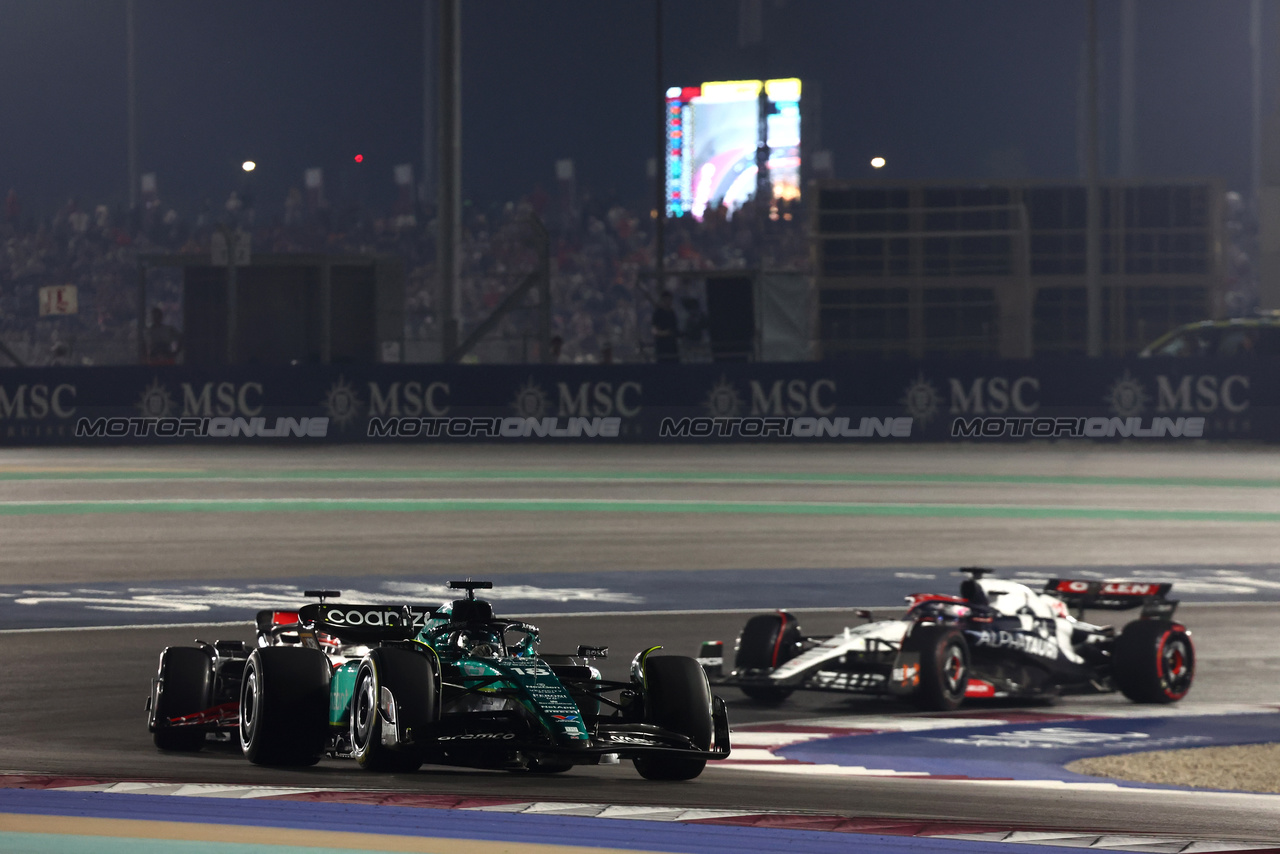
[249, 706]
[953, 669]
[1175, 666]
[364, 711]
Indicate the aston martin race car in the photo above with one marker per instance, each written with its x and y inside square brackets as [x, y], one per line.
[997, 639]
[397, 686]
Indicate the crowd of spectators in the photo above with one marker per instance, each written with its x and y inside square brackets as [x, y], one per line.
[603, 293]
[88, 247]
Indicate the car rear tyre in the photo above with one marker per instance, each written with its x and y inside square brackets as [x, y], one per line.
[767, 641]
[395, 688]
[677, 697]
[1154, 661]
[284, 706]
[186, 687]
[944, 666]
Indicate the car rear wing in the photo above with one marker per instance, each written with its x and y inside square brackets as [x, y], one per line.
[366, 622]
[1078, 594]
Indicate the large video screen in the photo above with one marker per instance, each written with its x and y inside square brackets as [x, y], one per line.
[713, 132]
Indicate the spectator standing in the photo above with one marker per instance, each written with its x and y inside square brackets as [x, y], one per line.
[666, 330]
[59, 353]
[163, 341]
[695, 329]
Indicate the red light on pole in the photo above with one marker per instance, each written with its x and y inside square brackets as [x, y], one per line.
[359, 158]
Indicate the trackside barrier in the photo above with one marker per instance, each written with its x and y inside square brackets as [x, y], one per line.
[1148, 400]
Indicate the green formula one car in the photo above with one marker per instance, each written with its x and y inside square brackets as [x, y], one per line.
[396, 686]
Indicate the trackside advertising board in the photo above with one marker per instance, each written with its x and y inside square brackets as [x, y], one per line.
[1147, 400]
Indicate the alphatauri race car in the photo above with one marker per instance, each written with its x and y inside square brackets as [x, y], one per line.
[396, 686]
[997, 638]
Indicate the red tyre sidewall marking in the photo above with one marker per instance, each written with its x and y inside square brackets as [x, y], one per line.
[1160, 658]
[777, 645]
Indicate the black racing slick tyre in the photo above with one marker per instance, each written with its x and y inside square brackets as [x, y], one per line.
[677, 697]
[767, 641]
[392, 709]
[185, 687]
[284, 706]
[1153, 661]
[944, 665]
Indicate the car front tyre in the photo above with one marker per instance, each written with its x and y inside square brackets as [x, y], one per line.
[186, 687]
[677, 697]
[409, 679]
[767, 641]
[284, 706]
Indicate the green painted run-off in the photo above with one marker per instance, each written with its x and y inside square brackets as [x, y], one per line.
[535, 505]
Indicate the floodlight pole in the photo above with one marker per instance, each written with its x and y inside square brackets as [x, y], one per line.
[1093, 209]
[660, 161]
[1255, 69]
[429, 48]
[233, 299]
[131, 107]
[449, 177]
[231, 235]
[1128, 36]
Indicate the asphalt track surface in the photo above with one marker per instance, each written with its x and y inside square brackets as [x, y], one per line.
[72, 701]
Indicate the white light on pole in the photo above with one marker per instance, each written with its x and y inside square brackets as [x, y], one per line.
[877, 163]
[248, 166]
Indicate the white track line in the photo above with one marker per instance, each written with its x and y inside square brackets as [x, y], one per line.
[889, 480]
[632, 502]
[120, 628]
[546, 615]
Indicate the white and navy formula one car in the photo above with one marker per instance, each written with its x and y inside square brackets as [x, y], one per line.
[997, 638]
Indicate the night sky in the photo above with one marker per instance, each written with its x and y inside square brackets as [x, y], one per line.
[942, 89]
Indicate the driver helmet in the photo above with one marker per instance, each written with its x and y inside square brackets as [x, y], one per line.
[479, 643]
